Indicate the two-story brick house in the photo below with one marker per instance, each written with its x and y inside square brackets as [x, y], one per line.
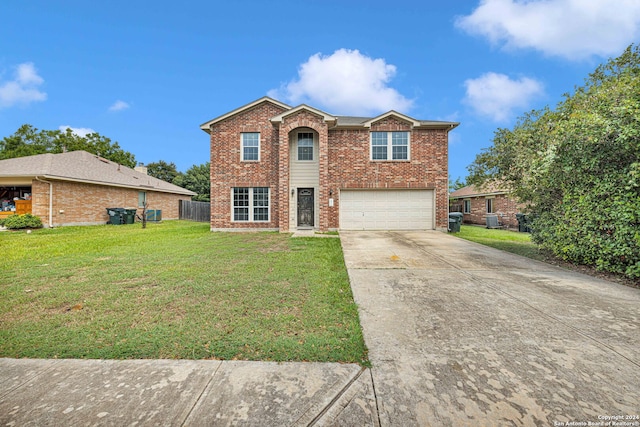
[274, 167]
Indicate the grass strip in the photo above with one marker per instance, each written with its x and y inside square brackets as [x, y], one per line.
[509, 241]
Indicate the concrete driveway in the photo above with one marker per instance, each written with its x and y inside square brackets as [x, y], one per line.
[462, 334]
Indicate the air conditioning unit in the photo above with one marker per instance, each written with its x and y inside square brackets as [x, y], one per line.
[492, 221]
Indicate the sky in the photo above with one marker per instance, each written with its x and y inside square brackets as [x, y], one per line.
[148, 74]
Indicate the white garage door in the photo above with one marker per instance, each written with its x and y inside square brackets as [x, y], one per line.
[386, 209]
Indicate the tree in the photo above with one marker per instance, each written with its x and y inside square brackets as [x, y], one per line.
[29, 141]
[456, 185]
[578, 168]
[197, 179]
[163, 170]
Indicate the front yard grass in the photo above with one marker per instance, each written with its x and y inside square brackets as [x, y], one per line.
[175, 290]
[509, 241]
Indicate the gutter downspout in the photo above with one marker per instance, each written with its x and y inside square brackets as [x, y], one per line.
[50, 200]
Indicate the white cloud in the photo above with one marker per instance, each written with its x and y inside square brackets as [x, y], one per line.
[23, 88]
[119, 106]
[77, 131]
[497, 96]
[346, 82]
[573, 29]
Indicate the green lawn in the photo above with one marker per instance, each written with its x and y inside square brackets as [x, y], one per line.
[510, 241]
[175, 290]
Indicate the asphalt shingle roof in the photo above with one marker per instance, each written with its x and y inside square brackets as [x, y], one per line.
[84, 167]
[472, 191]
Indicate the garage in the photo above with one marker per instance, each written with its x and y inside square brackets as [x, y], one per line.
[386, 210]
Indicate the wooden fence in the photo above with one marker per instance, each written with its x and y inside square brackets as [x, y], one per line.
[195, 211]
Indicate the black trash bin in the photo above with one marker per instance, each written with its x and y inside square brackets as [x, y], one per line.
[455, 221]
[116, 216]
[129, 216]
[523, 223]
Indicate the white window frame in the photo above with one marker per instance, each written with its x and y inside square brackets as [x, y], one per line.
[242, 146]
[466, 203]
[252, 207]
[389, 146]
[313, 151]
[489, 203]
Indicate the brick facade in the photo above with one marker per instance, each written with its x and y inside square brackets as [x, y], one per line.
[343, 161]
[85, 204]
[503, 206]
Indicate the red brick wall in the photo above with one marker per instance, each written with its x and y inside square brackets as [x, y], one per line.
[228, 171]
[343, 163]
[350, 167]
[85, 204]
[503, 206]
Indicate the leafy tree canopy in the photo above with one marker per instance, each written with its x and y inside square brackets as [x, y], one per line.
[29, 141]
[457, 184]
[163, 170]
[578, 168]
[197, 179]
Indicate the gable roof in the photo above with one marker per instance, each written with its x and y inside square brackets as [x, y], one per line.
[80, 166]
[206, 125]
[490, 189]
[392, 113]
[336, 121]
[326, 117]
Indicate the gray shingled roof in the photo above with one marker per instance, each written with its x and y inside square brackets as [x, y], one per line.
[85, 167]
[472, 191]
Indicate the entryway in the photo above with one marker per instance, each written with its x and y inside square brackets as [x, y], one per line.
[305, 207]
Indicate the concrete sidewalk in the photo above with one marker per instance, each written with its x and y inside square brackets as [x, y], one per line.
[184, 392]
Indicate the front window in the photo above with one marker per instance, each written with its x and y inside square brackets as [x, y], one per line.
[467, 206]
[305, 146]
[250, 146]
[389, 145]
[251, 204]
[490, 206]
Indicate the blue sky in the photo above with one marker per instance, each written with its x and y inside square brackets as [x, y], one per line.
[147, 74]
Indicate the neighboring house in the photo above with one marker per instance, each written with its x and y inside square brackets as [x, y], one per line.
[274, 167]
[75, 188]
[478, 203]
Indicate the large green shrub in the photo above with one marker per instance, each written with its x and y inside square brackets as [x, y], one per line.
[578, 168]
[16, 222]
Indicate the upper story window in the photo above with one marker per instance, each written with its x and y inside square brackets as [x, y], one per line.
[305, 146]
[389, 145]
[250, 146]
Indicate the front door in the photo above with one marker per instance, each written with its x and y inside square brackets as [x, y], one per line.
[305, 207]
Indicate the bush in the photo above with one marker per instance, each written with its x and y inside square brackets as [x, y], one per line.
[16, 222]
[577, 169]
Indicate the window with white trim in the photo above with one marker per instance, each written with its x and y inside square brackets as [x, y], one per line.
[467, 206]
[305, 146]
[250, 146]
[251, 204]
[490, 206]
[390, 145]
